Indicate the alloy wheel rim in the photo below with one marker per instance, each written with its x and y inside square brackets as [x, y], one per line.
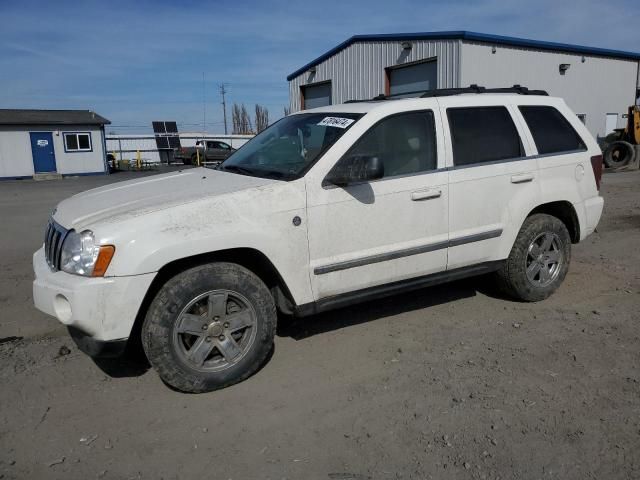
[544, 259]
[215, 330]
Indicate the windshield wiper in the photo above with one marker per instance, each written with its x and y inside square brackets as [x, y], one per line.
[257, 172]
[238, 169]
[274, 174]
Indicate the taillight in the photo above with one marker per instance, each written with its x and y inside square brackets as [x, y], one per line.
[596, 164]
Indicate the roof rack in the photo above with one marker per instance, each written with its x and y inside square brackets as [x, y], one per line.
[445, 92]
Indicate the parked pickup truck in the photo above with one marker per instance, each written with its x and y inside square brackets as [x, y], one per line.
[325, 208]
[210, 151]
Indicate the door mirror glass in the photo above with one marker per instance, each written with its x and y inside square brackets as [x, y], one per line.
[355, 169]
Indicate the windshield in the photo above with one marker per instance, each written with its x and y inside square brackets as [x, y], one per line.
[289, 147]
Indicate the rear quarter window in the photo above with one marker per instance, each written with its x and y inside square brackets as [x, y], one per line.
[483, 134]
[551, 131]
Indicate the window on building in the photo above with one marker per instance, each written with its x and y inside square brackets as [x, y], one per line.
[406, 143]
[483, 134]
[77, 142]
[551, 131]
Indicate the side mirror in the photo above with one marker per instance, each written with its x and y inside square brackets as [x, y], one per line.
[354, 169]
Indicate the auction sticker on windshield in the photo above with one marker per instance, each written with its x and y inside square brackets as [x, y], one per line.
[338, 122]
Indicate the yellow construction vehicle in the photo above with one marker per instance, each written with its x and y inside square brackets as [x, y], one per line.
[623, 145]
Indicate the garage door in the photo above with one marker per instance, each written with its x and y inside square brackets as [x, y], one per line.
[413, 78]
[317, 95]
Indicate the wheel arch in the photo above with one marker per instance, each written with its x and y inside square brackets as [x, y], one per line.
[250, 258]
[564, 211]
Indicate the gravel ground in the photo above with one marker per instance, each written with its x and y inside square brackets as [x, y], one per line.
[447, 382]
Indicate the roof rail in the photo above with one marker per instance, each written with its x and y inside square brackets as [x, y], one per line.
[445, 92]
[519, 89]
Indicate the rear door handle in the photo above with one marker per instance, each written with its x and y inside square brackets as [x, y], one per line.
[425, 195]
[522, 178]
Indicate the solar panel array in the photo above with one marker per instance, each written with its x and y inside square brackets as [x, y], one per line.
[166, 134]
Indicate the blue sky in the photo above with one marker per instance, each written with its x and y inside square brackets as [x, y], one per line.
[139, 61]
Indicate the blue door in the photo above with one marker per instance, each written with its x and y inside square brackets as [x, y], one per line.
[44, 158]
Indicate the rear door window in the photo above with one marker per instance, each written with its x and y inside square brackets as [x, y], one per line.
[483, 134]
[551, 132]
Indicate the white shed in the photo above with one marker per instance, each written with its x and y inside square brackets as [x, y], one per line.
[598, 84]
[51, 143]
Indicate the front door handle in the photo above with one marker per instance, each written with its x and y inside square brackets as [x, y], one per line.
[425, 195]
[522, 178]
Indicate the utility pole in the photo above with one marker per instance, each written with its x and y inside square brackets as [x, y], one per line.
[223, 91]
[204, 106]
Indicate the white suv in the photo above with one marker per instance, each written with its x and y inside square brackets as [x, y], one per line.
[324, 208]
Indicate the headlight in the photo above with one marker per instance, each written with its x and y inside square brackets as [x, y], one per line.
[81, 256]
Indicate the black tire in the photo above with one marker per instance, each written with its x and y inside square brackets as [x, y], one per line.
[612, 137]
[618, 154]
[166, 348]
[513, 277]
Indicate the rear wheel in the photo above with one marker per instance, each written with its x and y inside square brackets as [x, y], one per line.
[209, 327]
[618, 154]
[539, 259]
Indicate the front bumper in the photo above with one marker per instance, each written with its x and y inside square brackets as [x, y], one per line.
[103, 309]
[97, 348]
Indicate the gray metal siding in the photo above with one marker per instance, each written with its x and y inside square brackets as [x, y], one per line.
[594, 87]
[357, 72]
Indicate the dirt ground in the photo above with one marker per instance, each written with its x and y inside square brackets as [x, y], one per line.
[447, 382]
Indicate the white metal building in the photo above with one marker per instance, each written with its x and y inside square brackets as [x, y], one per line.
[51, 142]
[598, 84]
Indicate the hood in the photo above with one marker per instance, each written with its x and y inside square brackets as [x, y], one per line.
[157, 192]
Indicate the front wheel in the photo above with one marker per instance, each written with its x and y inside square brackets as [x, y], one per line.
[539, 259]
[209, 327]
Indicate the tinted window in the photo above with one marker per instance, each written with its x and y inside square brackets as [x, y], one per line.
[83, 141]
[72, 141]
[77, 142]
[483, 134]
[406, 143]
[551, 131]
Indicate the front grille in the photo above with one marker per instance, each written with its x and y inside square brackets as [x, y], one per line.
[53, 238]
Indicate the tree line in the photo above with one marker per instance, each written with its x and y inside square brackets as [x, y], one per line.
[242, 122]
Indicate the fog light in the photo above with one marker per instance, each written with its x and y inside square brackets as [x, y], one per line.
[63, 309]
